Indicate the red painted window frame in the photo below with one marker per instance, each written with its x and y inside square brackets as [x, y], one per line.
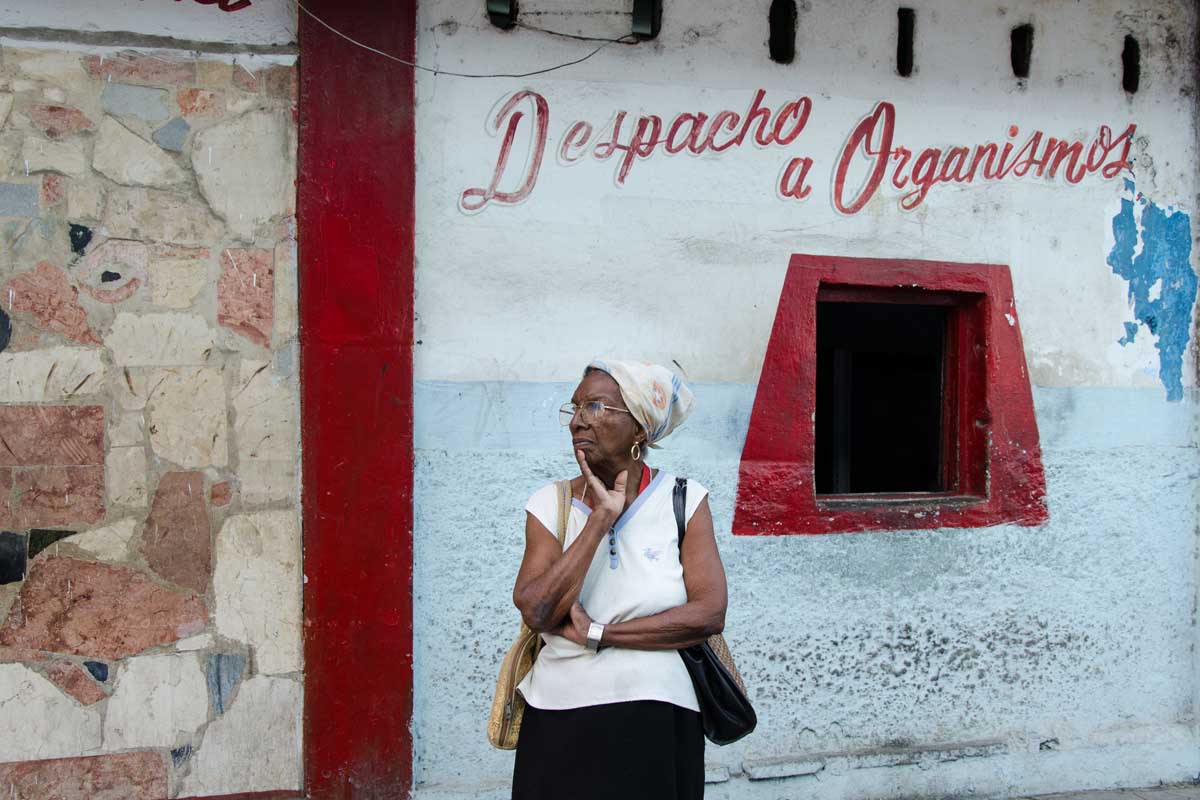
[996, 469]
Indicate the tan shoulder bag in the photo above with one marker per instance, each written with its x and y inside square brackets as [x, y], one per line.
[508, 707]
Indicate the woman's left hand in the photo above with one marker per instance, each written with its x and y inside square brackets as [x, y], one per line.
[575, 627]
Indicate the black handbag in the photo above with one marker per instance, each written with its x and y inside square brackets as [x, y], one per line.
[725, 712]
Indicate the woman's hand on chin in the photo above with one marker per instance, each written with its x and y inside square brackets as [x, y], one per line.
[575, 627]
[610, 502]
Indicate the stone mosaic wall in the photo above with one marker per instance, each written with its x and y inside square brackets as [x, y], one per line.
[150, 551]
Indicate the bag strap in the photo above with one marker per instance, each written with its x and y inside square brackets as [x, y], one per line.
[679, 500]
[564, 510]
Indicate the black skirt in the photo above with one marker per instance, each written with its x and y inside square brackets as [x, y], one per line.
[642, 749]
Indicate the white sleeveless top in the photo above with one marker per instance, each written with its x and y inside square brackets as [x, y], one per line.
[647, 579]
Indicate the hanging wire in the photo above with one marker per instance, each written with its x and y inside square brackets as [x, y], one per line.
[627, 39]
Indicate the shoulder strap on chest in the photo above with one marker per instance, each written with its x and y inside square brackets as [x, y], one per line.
[564, 510]
[679, 500]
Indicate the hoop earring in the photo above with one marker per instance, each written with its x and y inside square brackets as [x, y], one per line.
[636, 452]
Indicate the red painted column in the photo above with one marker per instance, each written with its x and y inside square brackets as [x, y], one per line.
[355, 213]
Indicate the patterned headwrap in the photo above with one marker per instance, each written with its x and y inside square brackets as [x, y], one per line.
[657, 398]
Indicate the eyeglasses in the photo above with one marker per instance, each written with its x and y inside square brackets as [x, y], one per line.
[592, 411]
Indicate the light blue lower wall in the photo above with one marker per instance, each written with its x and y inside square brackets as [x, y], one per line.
[1064, 652]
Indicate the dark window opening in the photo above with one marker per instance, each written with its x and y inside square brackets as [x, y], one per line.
[1022, 50]
[1131, 64]
[879, 425]
[782, 22]
[904, 41]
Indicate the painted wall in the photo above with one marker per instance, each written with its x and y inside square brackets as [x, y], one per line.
[993, 660]
[150, 575]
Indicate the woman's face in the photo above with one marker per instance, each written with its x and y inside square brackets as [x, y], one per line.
[606, 440]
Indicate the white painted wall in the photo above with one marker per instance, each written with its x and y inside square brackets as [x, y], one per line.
[1069, 647]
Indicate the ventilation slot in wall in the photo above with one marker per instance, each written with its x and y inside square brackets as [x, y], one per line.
[1131, 63]
[904, 40]
[1022, 50]
[782, 21]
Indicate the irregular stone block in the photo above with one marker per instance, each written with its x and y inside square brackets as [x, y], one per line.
[158, 700]
[246, 293]
[129, 159]
[109, 543]
[126, 430]
[175, 282]
[59, 67]
[243, 170]
[134, 68]
[38, 721]
[50, 375]
[255, 746]
[262, 481]
[7, 518]
[35, 435]
[281, 81]
[40, 155]
[75, 681]
[121, 99]
[265, 414]
[58, 121]
[114, 777]
[6, 101]
[176, 539]
[199, 102]
[84, 200]
[162, 339]
[158, 216]
[41, 538]
[98, 670]
[58, 496]
[47, 295]
[113, 270]
[125, 476]
[13, 556]
[99, 611]
[172, 135]
[201, 641]
[187, 417]
[286, 295]
[18, 200]
[257, 589]
[224, 672]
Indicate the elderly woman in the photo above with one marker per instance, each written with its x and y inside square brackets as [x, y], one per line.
[611, 710]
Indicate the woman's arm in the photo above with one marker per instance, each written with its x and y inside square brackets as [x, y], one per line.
[703, 614]
[550, 578]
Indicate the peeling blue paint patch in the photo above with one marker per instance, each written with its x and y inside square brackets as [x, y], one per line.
[224, 671]
[1162, 284]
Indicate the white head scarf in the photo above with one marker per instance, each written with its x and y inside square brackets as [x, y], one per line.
[656, 397]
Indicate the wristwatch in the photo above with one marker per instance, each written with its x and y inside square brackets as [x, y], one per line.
[595, 632]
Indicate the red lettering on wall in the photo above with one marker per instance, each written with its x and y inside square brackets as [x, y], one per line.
[871, 146]
[475, 199]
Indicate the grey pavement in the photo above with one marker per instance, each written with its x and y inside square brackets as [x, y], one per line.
[1175, 791]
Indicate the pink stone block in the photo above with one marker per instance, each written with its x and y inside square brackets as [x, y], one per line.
[95, 610]
[146, 70]
[75, 681]
[51, 435]
[6, 512]
[111, 777]
[54, 189]
[221, 494]
[52, 496]
[199, 102]
[176, 539]
[46, 295]
[246, 293]
[59, 121]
